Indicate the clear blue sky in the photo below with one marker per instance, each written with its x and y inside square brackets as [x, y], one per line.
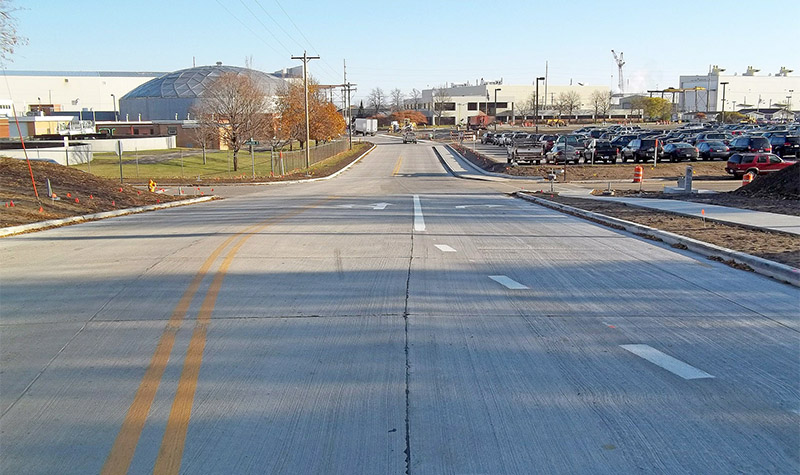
[412, 44]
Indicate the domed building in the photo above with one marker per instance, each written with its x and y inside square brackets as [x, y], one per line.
[174, 95]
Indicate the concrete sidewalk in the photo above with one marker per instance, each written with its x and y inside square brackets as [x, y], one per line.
[743, 217]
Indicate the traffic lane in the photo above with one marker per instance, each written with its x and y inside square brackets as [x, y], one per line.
[505, 394]
[570, 266]
[344, 257]
[300, 395]
[67, 421]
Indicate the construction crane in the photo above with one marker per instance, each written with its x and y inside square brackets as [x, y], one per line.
[620, 63]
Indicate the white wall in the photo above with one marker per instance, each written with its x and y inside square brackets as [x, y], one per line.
[133, 144]
[741, 89]
[77, 154]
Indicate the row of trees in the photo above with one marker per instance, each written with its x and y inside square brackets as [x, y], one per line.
[235, 109]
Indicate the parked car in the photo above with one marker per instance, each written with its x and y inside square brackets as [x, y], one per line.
[675, 152]
[558, 154]
[756, 163]
[713, 149]
[602, 150]
[706, 136]
[487, 137]
[750, 144]
[641, 150]
[549, 140]
[785, 145]
[623, 140]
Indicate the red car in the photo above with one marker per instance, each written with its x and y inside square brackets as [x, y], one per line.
[756, 163]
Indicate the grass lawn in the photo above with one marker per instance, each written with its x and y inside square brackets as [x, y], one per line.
[179, 165]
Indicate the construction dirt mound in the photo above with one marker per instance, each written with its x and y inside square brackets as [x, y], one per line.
[784, 184]
[76, 193]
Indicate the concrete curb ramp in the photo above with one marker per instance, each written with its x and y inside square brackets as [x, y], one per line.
[778, 271]
[24, 228]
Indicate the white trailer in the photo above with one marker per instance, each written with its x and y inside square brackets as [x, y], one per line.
[366, 127]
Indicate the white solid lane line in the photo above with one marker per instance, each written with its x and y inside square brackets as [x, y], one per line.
[509, 283]
[444, 248]
[419, 220]
[667, 362]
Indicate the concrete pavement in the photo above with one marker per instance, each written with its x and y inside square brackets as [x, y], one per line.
[392, 320]
[724, 214]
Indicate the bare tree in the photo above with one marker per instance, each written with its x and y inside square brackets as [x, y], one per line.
[441, 97]
[397, 99]
[527, 107]
[416, 97]
[568, 102]
[376, 99]
[9, 39]
[237, 106]
[206, 133]
[601, 101]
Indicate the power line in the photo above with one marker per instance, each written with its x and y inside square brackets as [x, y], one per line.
[311, 47]
[265, 26]
[277, 24]
[249, 29]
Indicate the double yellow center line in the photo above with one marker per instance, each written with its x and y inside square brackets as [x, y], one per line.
[397, 166]
[171, 451]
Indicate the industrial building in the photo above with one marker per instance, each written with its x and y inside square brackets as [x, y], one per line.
[504, 101]
[749, 90]
[75, 92]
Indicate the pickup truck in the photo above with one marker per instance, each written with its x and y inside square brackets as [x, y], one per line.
[526, 151]
[409, 136]
[603, 152]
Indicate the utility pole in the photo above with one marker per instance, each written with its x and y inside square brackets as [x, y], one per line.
[305, 59]
[349, 88]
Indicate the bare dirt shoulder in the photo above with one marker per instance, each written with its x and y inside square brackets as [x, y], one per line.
[79, 193]
[778, 247]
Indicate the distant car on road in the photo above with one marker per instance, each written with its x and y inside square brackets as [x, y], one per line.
[409, 136]
[755, 163]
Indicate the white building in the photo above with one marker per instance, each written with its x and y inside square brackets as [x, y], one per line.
[71, 91]
[500, 100]
[749, 90]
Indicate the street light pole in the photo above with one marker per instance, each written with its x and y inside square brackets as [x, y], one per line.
[724, 83]
[495, 108]
[536, 107]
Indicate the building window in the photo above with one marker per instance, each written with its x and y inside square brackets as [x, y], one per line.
[472, 106]
[135, 131]
[152, 132]
[172, 130]
[501, 105]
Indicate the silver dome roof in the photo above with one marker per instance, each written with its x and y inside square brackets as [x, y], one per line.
[191, 83]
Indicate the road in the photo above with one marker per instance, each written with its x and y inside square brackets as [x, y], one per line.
[394, 320]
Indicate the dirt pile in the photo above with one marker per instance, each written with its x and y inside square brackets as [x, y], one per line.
[784, 184]
[77, 193]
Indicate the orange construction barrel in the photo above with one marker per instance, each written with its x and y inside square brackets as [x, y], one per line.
[747, 178]
[638, 172]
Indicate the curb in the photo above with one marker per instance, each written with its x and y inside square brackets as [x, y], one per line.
[24, 228]
[484, 172]
[778, 271]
